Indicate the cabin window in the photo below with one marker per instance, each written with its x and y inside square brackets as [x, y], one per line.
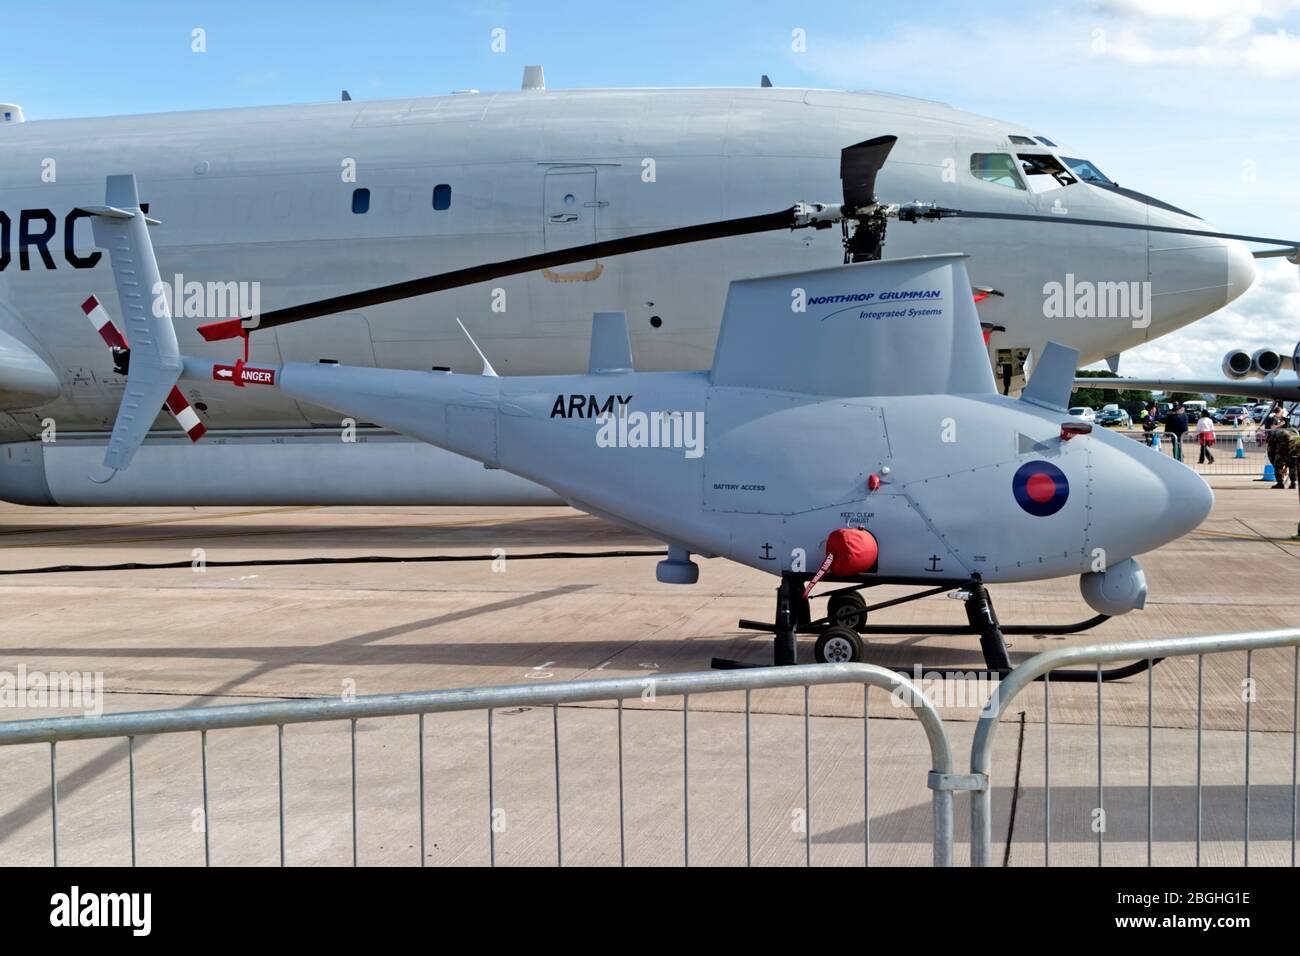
[360, 201]
[996, 168]
[442, 196]
[1045, 171]
[1087, 171]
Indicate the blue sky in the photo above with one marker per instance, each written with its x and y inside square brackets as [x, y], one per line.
[1194, 101]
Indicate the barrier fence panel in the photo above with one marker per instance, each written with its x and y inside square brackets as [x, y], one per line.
[941, 780]
[1236, 451]
[1041, 667]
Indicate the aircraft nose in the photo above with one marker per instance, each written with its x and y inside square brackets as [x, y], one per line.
[1242, 269]
[1193, 276]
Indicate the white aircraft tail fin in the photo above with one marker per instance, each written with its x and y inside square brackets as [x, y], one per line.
[1052, 379]
[894, 327]
[611, 346]
[122, 228]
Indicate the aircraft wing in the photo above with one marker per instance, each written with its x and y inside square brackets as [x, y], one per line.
[1288, 390]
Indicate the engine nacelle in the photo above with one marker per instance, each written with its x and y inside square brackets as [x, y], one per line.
[1266, 362]
[1117, 590]
[1237, 364]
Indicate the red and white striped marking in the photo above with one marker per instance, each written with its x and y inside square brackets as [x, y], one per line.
[99, 318]
[177, 404]
[185, 415]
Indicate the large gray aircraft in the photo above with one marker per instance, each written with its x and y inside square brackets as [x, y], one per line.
[299, 204]
[854, 397]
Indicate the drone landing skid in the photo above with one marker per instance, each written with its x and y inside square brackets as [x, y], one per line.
[793, 617]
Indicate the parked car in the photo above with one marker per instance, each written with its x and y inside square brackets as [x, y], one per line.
[1114, 418]
[1084, 412]
[1234, 415]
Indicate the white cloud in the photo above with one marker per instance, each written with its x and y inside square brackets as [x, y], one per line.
[1224, 11]
[1047, 61]
[1210, 34]
[1277, 54]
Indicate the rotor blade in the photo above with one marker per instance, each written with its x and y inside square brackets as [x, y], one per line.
[785, 219]
[859, 165]
[1028, 217]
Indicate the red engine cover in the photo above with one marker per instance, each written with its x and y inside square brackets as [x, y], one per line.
[852, 551]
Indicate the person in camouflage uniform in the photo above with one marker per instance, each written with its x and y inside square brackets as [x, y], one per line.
[1287, 457]
[1284, 453]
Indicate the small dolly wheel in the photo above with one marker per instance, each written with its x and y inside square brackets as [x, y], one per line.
[847, 610]
[838, 645]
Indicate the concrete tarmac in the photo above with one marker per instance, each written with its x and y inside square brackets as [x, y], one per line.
[531, 602]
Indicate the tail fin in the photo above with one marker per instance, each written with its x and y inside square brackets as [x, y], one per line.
[893, 327]
[121, 227]
[1052, 379]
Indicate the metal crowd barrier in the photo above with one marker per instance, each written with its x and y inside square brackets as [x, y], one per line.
[204, 719]
[1253, 449]
[1042, 665]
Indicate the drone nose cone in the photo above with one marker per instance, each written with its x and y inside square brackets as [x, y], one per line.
[1182, 503]
[1189, 502]
[1142, 499]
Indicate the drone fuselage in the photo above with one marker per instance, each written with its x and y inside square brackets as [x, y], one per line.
[762, 476]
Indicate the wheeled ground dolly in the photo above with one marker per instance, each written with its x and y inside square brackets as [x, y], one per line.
[839, 632]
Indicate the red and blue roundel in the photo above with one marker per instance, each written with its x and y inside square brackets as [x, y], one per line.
[1040, 488]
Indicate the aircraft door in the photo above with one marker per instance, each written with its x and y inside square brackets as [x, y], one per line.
[1009, 369]
[569, 210]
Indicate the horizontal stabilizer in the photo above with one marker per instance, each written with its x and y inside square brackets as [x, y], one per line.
[611, 347]
[893, 327]
[1053, 377]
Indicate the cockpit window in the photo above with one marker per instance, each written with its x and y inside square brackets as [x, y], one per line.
[1044, 171]
[1087, 172]
[1020, 140]
[1045, 141]
[998, 168]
